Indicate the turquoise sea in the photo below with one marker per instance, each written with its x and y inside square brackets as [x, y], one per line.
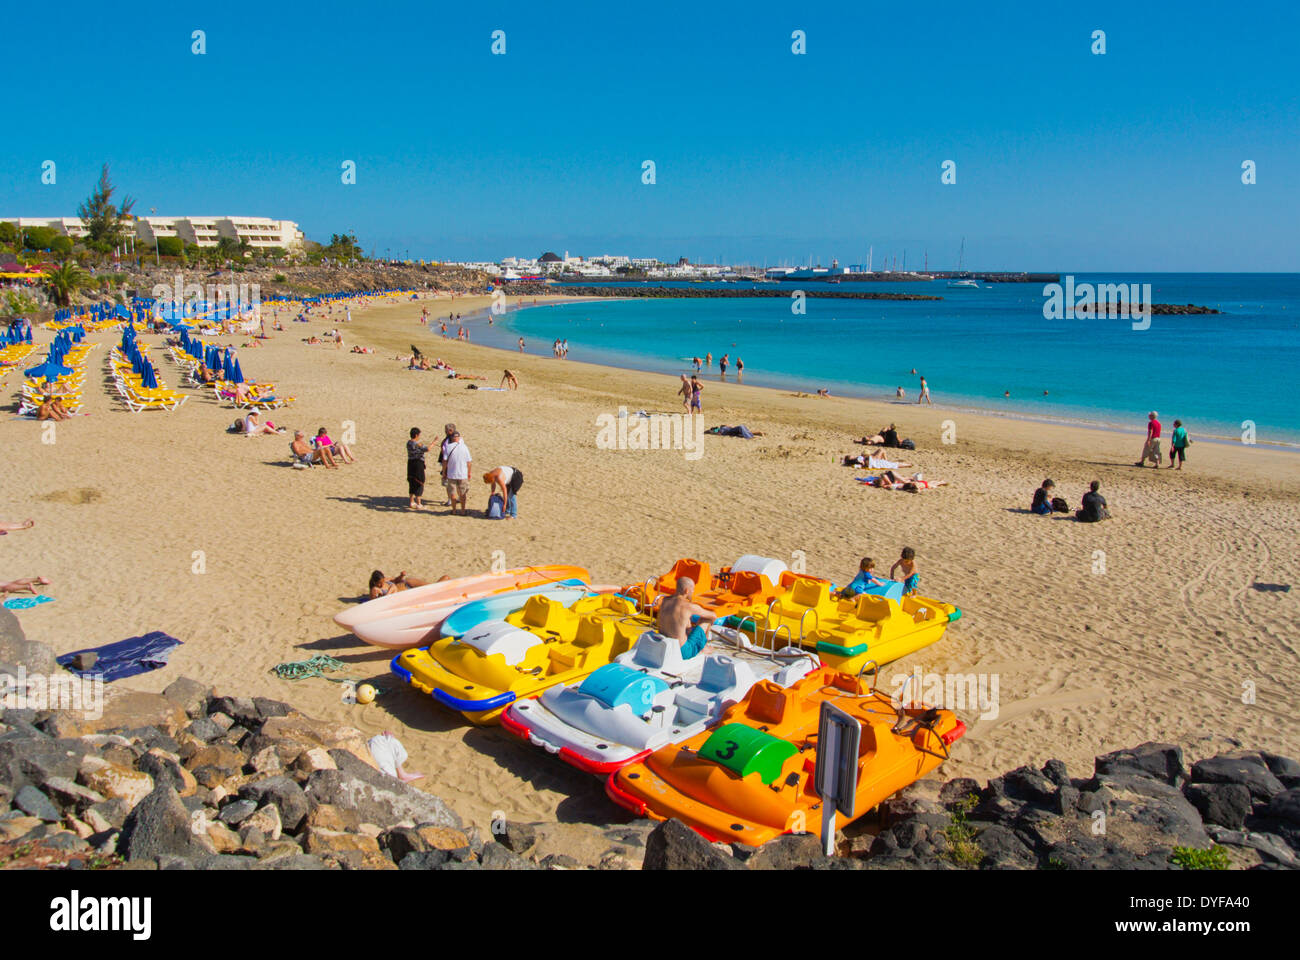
[1215, 372]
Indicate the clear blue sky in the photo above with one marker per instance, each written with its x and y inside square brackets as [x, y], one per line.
[1065, 160]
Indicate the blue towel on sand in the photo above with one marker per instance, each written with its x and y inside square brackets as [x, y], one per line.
[26, 603]
[128, 657]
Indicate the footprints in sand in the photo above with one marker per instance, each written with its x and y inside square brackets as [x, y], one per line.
[76, 496]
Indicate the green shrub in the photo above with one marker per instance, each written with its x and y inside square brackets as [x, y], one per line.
[1190, 858]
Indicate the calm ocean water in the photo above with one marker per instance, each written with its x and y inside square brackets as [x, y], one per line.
[1213, 372]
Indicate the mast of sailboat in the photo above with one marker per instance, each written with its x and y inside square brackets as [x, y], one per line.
[961, 254]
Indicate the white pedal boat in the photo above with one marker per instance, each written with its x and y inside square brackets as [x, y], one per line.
[650, 697]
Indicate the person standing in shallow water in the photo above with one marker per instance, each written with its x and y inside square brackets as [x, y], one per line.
[740, 370]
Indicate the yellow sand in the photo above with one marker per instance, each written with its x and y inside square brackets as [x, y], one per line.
[1161, 645]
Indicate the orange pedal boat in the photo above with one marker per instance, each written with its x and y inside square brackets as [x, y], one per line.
[750, 778]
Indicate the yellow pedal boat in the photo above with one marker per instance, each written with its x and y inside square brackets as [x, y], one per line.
[501, 661]
[846, 633]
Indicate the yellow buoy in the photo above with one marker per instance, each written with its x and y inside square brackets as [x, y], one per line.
[365, 693]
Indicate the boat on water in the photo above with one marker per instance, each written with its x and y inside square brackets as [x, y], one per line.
[963, 284]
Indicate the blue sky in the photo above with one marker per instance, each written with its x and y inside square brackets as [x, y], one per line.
[1065, 160]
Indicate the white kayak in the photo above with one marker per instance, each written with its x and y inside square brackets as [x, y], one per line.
[436, 600]
[650, 697]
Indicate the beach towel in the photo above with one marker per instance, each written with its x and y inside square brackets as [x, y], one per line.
[26, 603]
[126, 658]
[741, 431]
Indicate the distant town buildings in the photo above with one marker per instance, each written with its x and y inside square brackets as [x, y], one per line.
[259, 232]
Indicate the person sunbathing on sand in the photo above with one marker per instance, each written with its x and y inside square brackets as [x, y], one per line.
[25, 585]
[7, 527]
[381, 586]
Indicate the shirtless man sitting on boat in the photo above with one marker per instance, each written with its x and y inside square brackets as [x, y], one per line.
[683, 619]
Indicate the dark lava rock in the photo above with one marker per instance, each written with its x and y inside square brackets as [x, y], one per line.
[1055, 770]
[1225, 804]
[36, 760]
[424, 860]
[957, 790]
[376, 797]
[190, 695]
[1285, 806]
[398, 842]
[159, 825]
[791, 851]
[674, 846]
[1003, 849]
[204, 729]
[1284, 768]
[36, 804]
[516, 837]
[497, 857]
[287, 797]
[559, 861]
[1161, 761]
[1248, 769]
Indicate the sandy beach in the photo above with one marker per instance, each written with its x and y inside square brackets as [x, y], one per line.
[1146, 627]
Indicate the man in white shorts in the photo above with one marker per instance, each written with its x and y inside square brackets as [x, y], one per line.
[456, 472]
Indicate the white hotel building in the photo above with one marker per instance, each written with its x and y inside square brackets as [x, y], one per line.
[259, 232]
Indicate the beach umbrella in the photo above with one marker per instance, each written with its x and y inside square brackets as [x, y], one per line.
[49, 370]
[227, 366]
[236, 375]
[149, 379]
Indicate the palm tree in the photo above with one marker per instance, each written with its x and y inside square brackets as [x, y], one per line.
[62, 282]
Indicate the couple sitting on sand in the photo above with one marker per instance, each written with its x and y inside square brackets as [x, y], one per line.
[52, 408]
[320, 449]
[1093, 509]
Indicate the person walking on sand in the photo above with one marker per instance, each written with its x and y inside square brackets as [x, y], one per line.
[456, 471]
[684, 391]
[415, 451]
[696, 387]
[925, 394]
[681, 619]
[1178, 445]
[1151, 446]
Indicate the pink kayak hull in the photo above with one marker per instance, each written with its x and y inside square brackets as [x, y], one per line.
[439, 599]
